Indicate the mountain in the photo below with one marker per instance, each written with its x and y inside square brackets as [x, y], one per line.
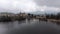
[44, 12]
[51, 12]
[37, 12]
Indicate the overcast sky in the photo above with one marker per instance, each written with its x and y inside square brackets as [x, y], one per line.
[16, 6]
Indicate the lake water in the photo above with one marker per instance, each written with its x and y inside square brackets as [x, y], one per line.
[32, 26]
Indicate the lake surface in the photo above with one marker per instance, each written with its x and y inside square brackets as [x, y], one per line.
[32, 26]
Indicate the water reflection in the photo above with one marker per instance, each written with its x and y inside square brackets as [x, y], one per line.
[32, 26]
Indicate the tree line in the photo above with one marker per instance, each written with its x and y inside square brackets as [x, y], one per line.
[53, 16]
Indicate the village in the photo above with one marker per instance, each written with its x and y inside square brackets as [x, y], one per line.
[6, 17]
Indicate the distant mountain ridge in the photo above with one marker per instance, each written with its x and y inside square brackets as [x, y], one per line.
[44, 12]
[37, 12]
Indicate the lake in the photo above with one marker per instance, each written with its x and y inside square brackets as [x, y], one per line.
[32, 26]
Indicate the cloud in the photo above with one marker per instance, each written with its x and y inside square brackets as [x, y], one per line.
[53, 3]
[25, 5]
[46, 8]
[16, 6]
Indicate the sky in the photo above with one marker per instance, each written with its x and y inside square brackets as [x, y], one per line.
[16, 6]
